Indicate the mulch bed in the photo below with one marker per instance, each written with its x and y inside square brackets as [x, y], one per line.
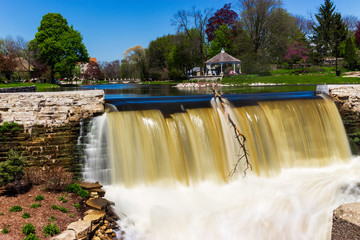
[14, 222]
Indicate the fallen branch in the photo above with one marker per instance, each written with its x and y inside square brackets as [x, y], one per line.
[238, 135]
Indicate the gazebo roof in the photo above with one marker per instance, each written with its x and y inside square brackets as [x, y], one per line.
[223, 57]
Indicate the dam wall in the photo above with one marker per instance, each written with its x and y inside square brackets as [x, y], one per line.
[44, 126]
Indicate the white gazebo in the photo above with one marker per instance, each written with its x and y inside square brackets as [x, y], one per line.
[221, 59]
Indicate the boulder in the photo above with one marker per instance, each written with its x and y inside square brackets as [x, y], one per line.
[346, 222]
[95, 216]
[90, 186]
[66, 235]
[81, 228]
[98, 203]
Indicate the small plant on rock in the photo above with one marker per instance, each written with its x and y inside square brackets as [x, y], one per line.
[51, 230]
[26, 215]
[28, 228]
[15, 209]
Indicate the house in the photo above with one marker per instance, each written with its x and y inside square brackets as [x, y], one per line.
[84, 66]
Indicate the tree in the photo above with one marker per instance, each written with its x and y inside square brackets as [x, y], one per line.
[157, 56]
[196, 20]
[357, 34]
[92, 71]
[255, 17]
[350, 54]
[305, 25]
[222, 16]
[60, 46]
[351, 22]
[8, 61]
[135, 58]
[222, 40]
[329, 31]
[270, 29]
[296, 52]
[111, 70]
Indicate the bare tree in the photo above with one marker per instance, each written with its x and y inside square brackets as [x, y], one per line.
[256, 16]
[186, 21]
[305, 25]
[351, 22]
[23, 52]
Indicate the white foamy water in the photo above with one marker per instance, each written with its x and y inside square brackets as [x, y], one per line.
[297, 204]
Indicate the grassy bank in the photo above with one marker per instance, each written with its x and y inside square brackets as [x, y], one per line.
[291, 79]
[39, 86]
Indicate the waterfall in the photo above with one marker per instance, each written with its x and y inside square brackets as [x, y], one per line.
[199, 144]
[169, 175]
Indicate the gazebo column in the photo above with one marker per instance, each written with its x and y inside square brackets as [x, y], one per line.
[234, 64]
[221, 64]
[240, 68]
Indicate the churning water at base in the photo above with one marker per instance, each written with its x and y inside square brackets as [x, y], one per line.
[169, 176]
[296, 205]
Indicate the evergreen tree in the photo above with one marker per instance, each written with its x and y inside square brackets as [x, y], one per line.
[350, 53]
[330, 30]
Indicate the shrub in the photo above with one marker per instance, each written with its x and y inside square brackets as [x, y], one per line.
[26, 215]
[35, 205]
[4, 231]
[63, 209]
[12, 169]
[55, 207]
[1, 213]
[28, 228]
[62, 199]
[35, 175]
[53, 178]
[51, 230]
[83, 193]
[356, 140]
[73, 188]
[39, 198]
[15, 209]
[71, 215]
[77, 205]
[52, 218]
[57, 179]
[31, 236]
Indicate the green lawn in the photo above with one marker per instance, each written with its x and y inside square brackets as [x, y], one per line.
[39, 86]
[290, 79]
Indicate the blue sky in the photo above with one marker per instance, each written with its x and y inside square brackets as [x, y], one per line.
[109, 27]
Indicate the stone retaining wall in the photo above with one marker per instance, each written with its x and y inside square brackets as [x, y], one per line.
[347, 100]
[18, 89]
[47, 125]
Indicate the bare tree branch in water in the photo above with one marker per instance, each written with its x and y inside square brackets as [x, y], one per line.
[238, 135]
